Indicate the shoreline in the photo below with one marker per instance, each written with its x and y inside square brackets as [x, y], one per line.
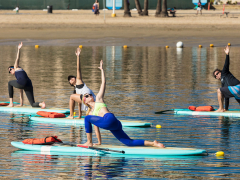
[72, 28]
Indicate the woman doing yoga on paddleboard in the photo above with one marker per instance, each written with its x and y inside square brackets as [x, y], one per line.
[23, 83]
[80, 88]
[100, 116]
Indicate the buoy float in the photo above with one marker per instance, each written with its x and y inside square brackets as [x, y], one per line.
[74, 113]
[220, 153]
[158, 126]
[36, 46]
[125, 46]
[200, 46]
[80, 46]
[179, 44]
[167, 46]
[229, 44]
[211, 45]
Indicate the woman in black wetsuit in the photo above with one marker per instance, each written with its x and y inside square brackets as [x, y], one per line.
[23, 83]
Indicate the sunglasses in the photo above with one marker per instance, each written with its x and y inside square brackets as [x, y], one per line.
[216, 74]
[88, 95]
[10, 70]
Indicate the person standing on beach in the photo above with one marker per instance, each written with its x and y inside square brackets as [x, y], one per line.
[199, 8]
[23, 83]
[80, 89]
[230, 84]
[96, 7]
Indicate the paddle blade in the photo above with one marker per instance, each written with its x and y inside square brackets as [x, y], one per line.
[164, 111]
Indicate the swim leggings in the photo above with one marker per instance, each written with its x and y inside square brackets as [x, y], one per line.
[28, 91]
[110, 122]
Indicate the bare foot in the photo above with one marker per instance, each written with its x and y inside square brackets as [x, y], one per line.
[10, 105]
[43, 105]
[19, 105]
[157, 144]
[88, 144]
[70, 117]
[78, 117]
[220, 110]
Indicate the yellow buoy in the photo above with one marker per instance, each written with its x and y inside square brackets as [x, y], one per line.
[211, 45]
[167, 46]
[74, 113]
[125, 46]
[200, 46]
[229, 44]
[158, 126]
[36, 46]
[220, 153]
[113, 15]
[80, 46]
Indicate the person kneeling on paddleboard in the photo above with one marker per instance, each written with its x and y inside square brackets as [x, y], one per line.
[80, 88]
[23, 83]
[99, 115]
[230, 84]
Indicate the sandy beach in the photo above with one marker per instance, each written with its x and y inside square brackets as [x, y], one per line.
[67, 27]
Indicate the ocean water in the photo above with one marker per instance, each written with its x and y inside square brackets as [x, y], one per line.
[140, 82]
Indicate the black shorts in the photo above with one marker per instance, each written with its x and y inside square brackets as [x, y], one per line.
[226, 93]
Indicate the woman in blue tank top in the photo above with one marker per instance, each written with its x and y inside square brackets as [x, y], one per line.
[99, 115]
[23, 83]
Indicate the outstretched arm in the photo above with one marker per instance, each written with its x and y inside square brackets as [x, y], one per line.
[100, 95]
[16, 65]
[79, 74]
[227, 61]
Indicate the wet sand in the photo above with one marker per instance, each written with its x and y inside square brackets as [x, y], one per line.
[67, 27]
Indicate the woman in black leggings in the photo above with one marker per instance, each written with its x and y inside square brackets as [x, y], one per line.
[23, 83]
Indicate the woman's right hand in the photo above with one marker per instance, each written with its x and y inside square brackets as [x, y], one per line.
[20, 46]
[227, 50]
[78, 51]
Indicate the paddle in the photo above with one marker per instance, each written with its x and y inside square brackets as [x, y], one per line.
[100, 149]
[163, 112]
[92, 147]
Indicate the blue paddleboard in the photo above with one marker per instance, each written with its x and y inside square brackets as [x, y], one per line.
[136, 151]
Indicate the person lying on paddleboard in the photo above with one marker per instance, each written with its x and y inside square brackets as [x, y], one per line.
[23, 83]
[99, 115]
[230, 84]
[80, 89]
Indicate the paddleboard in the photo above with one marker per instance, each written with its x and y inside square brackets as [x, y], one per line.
[25, 154]
[140, 151]
[30, 109]
[65, 121]
[230, 113]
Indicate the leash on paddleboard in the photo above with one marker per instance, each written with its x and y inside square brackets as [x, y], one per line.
[163, 112]
[100, 149]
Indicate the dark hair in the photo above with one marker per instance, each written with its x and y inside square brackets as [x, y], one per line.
[70, 77]
[11, 67]
[215, 71]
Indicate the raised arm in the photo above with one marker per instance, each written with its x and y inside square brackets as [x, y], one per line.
[16, 65]
[79, 74]
[227, 61]
[100, 95]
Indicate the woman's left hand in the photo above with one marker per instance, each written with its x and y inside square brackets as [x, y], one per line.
[101, 65]
[96, 144]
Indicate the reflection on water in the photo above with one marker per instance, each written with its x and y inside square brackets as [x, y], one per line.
[140, 81]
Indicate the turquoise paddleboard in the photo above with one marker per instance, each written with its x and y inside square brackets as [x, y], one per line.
[65, 121]
[30, 109]
[137, 151]
[230, 113]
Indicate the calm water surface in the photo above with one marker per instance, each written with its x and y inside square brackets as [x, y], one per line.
[140, 81]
